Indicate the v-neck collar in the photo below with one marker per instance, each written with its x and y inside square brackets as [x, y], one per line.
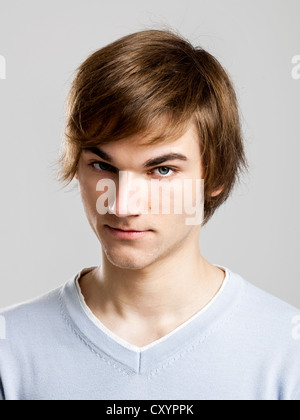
[143, 359]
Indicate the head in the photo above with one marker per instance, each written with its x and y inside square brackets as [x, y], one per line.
[148, 94]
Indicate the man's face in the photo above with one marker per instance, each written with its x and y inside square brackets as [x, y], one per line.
[166, 232]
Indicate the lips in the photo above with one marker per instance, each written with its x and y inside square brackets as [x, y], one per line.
[126, 230]
[126, 235]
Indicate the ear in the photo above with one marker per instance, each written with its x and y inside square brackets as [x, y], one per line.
[217, 192]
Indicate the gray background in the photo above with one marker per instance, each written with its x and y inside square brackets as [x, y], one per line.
[44, 235]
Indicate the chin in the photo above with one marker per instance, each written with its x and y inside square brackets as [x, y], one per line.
[128, 260]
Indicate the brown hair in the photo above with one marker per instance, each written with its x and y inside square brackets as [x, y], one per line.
[133, 84]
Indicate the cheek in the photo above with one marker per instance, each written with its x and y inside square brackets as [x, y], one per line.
[188, 204]
[165, 199]
[179, 201]
[89, 194]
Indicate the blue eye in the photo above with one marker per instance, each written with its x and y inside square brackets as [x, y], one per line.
[166, 168]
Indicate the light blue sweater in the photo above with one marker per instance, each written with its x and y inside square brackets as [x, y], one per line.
[245, 345]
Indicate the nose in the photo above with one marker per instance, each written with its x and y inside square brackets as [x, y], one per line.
[130, 196]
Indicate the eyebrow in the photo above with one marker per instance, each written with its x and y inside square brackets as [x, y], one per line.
[149, 163]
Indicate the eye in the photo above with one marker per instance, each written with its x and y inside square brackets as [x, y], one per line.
[164, 170]
[107, 167]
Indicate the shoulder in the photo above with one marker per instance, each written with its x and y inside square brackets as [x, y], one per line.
[273, 323]
[266, 320]
[268, 331]
[259, 308]
[33, 304]
[20, 320]
[267, 307]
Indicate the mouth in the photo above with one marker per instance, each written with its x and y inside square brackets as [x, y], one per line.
[127, 234]
[124, 229]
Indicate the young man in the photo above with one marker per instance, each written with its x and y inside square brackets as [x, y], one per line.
[155, 320]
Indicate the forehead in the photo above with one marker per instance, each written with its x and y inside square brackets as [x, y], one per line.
[142, 145]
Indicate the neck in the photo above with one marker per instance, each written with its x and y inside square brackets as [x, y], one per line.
[170, 289]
